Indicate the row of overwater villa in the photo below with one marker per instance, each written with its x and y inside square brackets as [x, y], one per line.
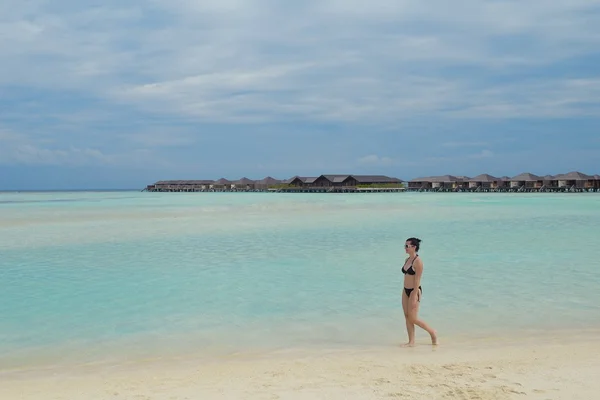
[321, 183]
[525, 182]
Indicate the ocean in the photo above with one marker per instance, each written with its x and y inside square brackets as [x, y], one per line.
[111, 276]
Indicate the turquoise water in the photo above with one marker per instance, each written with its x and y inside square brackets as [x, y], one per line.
[98, 275]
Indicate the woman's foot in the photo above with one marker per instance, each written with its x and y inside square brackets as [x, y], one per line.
[409, 344]
[434, 339]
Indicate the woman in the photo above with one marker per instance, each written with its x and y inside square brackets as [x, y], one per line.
[413, 270]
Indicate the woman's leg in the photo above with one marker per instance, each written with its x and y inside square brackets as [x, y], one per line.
[410, 327]
[413, 316]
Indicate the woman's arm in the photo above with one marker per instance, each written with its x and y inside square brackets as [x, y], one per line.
[418, 267]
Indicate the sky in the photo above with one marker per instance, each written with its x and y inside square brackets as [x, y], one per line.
[118, 95]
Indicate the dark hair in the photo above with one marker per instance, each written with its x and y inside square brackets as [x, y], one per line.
[415, 242]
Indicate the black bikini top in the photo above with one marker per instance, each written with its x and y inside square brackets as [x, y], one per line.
[410, 270]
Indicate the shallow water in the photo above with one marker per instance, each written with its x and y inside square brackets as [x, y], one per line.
[96, 275]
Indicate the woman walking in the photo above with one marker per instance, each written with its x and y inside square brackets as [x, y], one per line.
[413, 270]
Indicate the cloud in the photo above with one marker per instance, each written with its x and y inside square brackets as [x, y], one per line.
[376, 160]
[483, 154]
[330, 60]
[464, 144]
[230, 86]
[546, 99]
[20, 149]
[166, 137]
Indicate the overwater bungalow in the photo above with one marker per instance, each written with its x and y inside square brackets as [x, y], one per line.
[447, 183]
[420, 184]
[300, 182]
[441, 183]
[221, 184]
[549, 184]
[266, 183]
[575, 181]
[336, 183]
[243, 184]
[180, 186]
[378, 180]
[485, 182]
[526, 182]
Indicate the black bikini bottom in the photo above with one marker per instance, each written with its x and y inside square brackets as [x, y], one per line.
[409, 291]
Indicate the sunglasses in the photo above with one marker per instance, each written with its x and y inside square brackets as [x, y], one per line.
[406, 246]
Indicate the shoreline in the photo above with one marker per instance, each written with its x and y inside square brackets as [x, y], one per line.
[141, 349]
[553, 366]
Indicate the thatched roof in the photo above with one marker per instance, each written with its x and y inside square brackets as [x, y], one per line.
[185, 182]
[303, 179]
[597, 177]
[441, 178]
[445, 178]
[268, 181]
[526, 177]
[243, 181]
[339, 178]
[335, 178]
[223, 181]
[573, 176]
[422, 179]
[376, 179]
[290, 180]
[484, 178]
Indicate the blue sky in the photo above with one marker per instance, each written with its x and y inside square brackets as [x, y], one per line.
[120, 94]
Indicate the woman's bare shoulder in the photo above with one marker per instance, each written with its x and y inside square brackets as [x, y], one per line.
[419, 261]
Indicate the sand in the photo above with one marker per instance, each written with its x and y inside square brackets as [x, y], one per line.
[565, 367]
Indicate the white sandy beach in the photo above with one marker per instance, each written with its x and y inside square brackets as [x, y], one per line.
[565, 367]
